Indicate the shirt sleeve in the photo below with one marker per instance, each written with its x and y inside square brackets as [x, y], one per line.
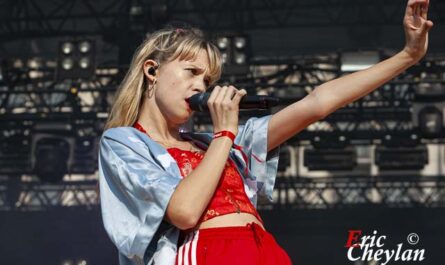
[134, 193]
[262, 165]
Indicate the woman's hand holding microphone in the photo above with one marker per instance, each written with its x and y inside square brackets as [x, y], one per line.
[223, 105]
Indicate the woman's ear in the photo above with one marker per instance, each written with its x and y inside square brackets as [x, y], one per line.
[150, 67]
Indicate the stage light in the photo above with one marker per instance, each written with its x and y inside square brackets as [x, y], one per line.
[84, 63]
[431, 122]
[84, 46]
[67, 64]
[17, 64]
[224, 57]
[240, 42]
[235, 53]
[76, 60]
[136, 10]
[239, 50]
[67, 48]
[223, 43]
[75, 262]
[330, 159]
[429, 92]
[51, 158]
[35, 63]
[401, 158]
[81, 262]
[240, 58]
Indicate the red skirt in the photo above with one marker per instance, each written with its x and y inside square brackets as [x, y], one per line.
[243, 245]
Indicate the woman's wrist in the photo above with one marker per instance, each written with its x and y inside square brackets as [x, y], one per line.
[410, 57]
[225, 133]
[222, 144]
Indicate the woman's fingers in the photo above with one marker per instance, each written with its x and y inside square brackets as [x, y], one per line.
[225, 96]
[416, 15]
[231, 90]
[223, 110]
[427, 25]
[417, 8]
[417, 26]
[221, 96]
[213, 95]
[424, 10]
[238, 95]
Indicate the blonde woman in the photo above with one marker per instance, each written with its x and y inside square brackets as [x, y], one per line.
[170, 197]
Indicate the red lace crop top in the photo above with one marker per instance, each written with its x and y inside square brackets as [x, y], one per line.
[229, 196]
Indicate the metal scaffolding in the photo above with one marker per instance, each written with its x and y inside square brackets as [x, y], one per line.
[21, 19]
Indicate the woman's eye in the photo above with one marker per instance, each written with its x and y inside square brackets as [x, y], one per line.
[193, 71]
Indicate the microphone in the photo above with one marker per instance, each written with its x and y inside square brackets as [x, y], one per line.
[198, 102]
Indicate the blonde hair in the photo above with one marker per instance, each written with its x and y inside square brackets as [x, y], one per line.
[162, 46]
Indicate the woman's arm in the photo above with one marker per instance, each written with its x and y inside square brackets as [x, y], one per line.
[194, 192]
[337, 93]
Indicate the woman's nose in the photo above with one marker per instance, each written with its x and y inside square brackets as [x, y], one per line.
[200, 87]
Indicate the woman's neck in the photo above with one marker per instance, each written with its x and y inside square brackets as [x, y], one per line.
[157, 127]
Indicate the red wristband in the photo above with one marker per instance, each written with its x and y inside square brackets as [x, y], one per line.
[229, 134]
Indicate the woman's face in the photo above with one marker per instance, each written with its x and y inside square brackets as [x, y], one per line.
[178, 80]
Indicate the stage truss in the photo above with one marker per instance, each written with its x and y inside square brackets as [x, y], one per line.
[290, 193]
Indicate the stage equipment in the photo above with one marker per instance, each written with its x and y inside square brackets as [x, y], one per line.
[431, 122]
[401, 158]
[76, 59]
[51, 158]
[1, 74]
[84, 159]
[287, 162]
[356, 61]
[15, 150]
[59, 149]
[234, 52]
[429, 92]
[56, 156]
[284, 161]
[330, 159]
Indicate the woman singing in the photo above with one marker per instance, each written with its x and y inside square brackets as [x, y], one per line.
[172, 197]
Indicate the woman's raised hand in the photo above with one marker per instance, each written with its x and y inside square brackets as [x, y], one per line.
[223, 105]
[416, 26]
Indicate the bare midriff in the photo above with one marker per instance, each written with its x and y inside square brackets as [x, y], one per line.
[231, 219]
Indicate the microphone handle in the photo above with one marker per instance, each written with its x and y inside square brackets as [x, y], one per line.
[251, 102]
[199, 102]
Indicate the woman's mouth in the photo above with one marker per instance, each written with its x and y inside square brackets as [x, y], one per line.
[188, 105]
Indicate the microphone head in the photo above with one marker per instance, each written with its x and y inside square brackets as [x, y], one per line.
[198, 102]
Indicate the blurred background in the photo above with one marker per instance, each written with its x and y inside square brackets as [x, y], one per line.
[376, 164]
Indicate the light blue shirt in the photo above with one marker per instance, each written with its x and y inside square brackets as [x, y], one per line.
[138, 177]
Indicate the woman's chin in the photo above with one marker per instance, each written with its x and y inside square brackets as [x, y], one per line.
[183, 118]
